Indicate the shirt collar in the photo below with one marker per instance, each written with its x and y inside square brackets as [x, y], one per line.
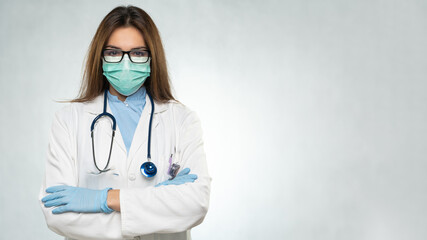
[137, 97]
[95, 105]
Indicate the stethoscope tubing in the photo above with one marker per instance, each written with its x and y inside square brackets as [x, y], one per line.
[105, 113]
[149, 127]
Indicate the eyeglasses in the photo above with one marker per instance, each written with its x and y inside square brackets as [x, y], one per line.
[116, 55]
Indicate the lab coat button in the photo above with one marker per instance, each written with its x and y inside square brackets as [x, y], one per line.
[132, 177]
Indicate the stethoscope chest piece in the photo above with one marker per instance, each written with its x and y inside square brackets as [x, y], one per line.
[148, 169]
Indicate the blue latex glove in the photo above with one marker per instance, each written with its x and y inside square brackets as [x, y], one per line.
[76, 199]
[181, 177]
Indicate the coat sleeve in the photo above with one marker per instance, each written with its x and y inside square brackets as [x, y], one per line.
[61, 169]
[171, 208]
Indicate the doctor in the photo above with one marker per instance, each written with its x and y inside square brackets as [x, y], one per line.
[134, 182]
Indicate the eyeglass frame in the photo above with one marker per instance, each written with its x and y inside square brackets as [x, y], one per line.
[128, 53]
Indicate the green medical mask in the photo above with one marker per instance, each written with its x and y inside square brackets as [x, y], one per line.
[125, 76]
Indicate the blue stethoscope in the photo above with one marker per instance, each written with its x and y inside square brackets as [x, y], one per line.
[148, 169]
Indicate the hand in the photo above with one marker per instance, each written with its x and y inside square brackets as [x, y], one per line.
[76, 199]
[181, 177]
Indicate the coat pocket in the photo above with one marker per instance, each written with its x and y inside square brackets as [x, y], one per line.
[103, 180]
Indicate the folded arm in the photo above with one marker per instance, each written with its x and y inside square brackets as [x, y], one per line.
[60, 169]
[171, 208]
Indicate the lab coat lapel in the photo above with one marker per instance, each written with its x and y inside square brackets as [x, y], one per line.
[118, 139]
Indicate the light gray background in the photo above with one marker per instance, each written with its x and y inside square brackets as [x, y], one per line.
[314, 112]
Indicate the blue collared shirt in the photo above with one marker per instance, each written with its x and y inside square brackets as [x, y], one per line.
[127, 113]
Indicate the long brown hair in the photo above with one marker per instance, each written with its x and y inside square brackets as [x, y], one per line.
[94, 82]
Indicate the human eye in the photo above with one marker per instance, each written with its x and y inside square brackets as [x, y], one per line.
[139, 53]
[112, 52]
[139, 56]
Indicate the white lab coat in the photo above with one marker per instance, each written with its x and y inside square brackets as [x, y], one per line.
[147, 212]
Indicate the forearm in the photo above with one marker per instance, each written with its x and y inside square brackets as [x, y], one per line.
[164, 209]
[82, 225]
[113, 199]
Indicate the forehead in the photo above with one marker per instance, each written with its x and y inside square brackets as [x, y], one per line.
[126, 38]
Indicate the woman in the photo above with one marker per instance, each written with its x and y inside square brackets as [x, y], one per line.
[133, 182]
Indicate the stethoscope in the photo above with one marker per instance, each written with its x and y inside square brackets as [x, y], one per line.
[148, 169]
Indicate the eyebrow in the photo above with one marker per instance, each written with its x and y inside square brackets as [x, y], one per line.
[111, 46]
